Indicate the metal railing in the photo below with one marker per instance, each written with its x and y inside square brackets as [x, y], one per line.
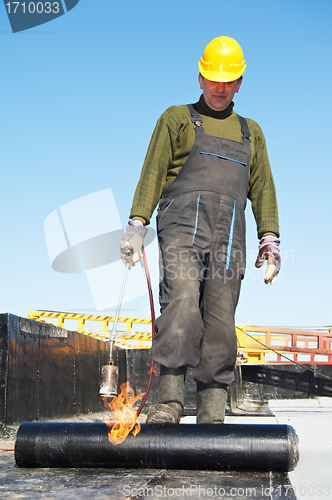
[284, 345]
[101, 327]
[255, 344]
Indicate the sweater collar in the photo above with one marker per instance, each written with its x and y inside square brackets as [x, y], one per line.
[204, 109]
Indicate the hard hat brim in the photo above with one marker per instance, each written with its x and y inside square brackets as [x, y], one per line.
[220, 76]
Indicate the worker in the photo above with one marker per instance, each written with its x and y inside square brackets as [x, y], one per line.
[202, 164]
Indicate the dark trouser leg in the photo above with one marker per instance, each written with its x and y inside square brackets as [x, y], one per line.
[179, 328]
[178, 333]
[170, 397]
[215, 370]
[218, 347]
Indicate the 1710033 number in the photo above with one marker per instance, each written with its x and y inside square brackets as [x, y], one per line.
[32, 7]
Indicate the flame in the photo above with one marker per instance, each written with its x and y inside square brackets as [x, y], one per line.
[123, 418]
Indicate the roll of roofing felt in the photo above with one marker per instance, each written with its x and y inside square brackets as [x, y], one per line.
[196, 447]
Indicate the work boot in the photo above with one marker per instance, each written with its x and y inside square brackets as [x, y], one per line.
[211, 403]
[170, 405]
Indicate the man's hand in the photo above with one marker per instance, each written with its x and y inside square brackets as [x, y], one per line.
[268, 249]
[131, 242]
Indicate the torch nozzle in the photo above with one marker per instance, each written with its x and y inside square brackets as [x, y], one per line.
[109, 380]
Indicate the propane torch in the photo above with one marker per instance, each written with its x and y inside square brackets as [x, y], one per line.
[110, 372]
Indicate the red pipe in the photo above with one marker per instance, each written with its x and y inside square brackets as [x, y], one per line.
[153, 333]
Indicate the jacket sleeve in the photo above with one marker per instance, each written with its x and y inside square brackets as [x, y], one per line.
[262, 193]
[154, 171]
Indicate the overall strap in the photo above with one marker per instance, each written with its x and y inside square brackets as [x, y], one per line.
[196, 118]
[244, 130]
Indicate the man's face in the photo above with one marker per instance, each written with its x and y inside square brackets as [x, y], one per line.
[219, 95]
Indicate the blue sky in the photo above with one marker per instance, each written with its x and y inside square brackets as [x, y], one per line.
[81, 96]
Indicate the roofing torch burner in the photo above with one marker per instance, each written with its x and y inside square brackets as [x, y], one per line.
[110, 372]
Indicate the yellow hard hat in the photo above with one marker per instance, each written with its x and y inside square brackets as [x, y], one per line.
[222, 60]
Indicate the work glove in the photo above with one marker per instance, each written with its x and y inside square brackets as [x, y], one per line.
[268, 249]
[131, 242]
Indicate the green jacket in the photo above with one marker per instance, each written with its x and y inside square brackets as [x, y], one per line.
[170, 145]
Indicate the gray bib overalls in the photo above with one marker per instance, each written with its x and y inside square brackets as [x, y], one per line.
[201, 233]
